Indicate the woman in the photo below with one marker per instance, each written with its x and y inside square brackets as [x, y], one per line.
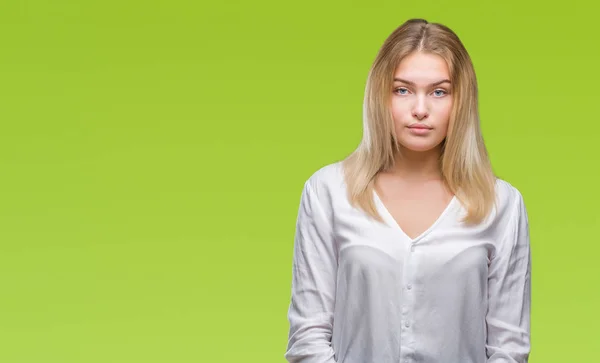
[411, 249]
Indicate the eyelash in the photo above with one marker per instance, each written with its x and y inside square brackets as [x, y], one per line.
[439, 89]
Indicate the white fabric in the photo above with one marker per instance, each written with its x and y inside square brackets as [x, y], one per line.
[364, 292]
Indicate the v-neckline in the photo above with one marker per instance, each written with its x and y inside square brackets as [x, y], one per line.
[387, 215]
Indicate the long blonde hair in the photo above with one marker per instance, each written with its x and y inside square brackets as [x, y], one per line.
[464, 161]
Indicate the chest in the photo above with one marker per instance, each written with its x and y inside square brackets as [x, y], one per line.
[415, 216]
[415, 208]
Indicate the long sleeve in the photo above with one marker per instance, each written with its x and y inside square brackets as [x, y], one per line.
[314, 271]
[509, 292]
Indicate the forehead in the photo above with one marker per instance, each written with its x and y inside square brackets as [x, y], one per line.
[422, 67]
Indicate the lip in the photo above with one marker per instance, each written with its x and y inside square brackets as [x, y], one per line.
[419, 130]
[419, 127]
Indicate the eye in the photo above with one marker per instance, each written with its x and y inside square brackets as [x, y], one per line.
[400, 89]
[440, 90]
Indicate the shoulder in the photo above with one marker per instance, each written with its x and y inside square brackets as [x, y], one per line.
[326, 183]
[510, 204]
[326, 178]
[508, 196]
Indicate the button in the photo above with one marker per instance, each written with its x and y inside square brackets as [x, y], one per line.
[409, 286]
[412, 248]
[407, 324]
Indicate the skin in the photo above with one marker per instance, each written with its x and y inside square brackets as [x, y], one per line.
[420, 102]
[414, 191]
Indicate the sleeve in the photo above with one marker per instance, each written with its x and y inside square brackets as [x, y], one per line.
[314, 270]
[509, 292]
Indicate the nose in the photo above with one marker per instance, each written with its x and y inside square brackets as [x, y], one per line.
[420, 108]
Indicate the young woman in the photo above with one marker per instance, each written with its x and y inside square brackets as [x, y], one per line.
[411, 249]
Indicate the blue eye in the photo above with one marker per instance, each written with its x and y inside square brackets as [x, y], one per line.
[401, 89]
[440, 90]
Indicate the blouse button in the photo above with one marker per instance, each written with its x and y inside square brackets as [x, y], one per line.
[412, 248]
[409, 286]
[406, 324]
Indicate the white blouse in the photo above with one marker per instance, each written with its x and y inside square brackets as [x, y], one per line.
[364, 292]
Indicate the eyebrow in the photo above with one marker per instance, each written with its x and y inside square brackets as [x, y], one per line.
[431, 85]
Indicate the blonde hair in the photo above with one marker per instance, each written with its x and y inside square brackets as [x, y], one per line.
[464, 162]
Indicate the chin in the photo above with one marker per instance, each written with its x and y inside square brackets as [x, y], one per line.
[419, 145]
[419, 148]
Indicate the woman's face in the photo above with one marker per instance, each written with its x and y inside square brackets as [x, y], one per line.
[421, 101]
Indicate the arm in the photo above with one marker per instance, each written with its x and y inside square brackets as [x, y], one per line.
[314, 271]
[509, 292]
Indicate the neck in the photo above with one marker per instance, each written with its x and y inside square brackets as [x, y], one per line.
[418, 166]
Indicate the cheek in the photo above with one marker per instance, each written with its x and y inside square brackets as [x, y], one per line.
[401, 111]
[443, 113]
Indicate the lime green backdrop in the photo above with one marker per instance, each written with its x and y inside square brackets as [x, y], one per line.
[152, 155]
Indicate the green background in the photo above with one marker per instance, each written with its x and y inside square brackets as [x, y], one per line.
[152, 155]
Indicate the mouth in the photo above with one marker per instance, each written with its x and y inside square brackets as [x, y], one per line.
[419, 130]
[419, 127]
